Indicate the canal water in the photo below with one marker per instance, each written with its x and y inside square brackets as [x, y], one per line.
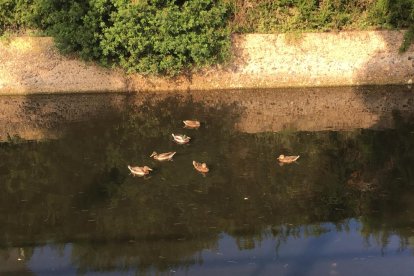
[68, 204]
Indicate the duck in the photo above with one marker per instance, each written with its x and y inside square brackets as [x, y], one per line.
[139, 171]
[163, 156]
[181, 139]
[194, 124]
[201, 167]
[287, 159]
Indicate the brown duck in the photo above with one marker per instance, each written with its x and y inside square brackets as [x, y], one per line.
[167, 156]
[139, 171]
[201, 167]
[194, 124]
[181, 139]
[287, 159]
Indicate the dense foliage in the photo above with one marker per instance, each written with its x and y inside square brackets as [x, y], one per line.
[15, 14]
[174, 36]
[165, 37]
[149, 37]
[155, 36]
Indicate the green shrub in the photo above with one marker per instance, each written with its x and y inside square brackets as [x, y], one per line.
[163, 37]
[77, 26]
[15, 14]
[148, 37]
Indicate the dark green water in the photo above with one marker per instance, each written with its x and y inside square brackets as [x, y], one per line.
[69, 206]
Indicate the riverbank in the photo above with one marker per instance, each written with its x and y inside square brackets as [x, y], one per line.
[32, 65]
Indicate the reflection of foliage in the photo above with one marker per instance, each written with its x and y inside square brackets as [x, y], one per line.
[120, 256]
[77, 189]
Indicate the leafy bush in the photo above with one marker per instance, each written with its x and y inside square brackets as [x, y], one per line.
[63, 21]
[15, 14]
[149, 37]
[165, 37]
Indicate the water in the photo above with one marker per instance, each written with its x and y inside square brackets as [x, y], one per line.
[69, 205]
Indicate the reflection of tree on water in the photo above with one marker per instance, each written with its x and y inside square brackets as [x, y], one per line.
[77, 189]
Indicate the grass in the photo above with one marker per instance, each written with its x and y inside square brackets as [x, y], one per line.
[408, 40]
[269, 16]
[296, 16]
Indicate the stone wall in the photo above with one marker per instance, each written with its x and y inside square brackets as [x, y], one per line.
[33, 65]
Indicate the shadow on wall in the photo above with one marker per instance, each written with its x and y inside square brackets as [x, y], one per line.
[385, 62]
[382, 64]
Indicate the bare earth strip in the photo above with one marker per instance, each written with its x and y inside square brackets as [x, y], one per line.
[31, 65]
